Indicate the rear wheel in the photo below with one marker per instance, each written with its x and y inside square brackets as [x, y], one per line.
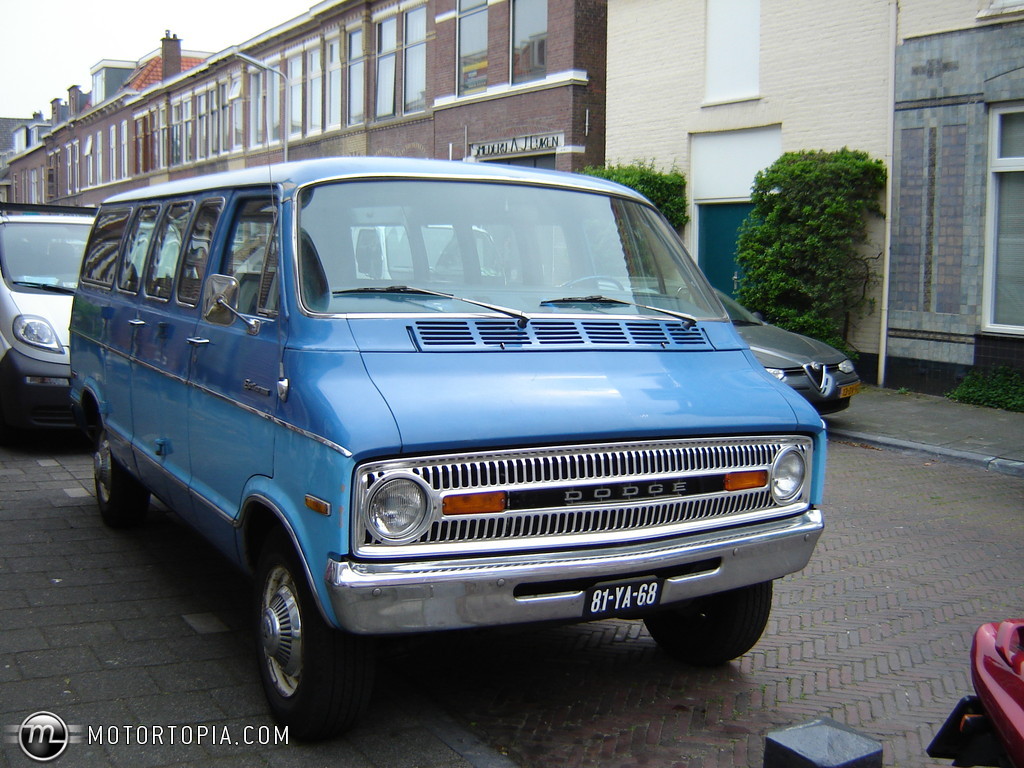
[317, 679]
[714, 629]
[123, 500]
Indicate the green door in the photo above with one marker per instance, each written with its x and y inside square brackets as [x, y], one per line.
[718, 226]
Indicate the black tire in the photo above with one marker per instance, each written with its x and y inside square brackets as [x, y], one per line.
[123, 500]
[715, 629]
[317, 679]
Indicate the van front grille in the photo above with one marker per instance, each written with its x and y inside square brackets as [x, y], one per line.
[584, 495]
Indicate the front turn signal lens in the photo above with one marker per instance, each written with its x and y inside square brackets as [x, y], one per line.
[475, 503]
[742, 481]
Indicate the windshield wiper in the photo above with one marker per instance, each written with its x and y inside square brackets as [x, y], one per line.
[521, 319]
[45, 287]
[687, 320]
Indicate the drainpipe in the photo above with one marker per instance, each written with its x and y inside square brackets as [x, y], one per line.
[883, 332]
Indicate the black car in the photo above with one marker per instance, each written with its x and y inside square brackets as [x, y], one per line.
[822, 374]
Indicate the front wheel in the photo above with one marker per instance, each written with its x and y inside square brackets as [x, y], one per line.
[714, 629]
[317, 679]
[123, 500]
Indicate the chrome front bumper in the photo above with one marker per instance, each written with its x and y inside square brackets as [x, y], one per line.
[422, 596]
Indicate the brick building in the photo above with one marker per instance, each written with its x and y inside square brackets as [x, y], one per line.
[512, 81]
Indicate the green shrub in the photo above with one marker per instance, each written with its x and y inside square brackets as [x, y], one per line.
[667, 190]
[800, 251]
[1001, 387]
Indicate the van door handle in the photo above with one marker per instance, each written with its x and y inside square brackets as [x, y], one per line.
[197, 341]
[136, 322]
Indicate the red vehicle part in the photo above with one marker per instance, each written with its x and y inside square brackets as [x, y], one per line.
[997, 670]
[987, 729]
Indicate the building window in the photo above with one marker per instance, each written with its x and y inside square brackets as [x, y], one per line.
[112, 155]
[1006, 246]
[314, 91]
[356, 77]
[733, 50]
[124, 150]
[387, 56]
[100, 167]
[333, 83]
[529, 40]
[415, 72]
[257, 121]
[472, 32]
[295, 95]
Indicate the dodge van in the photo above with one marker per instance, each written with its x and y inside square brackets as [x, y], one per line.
[40, 255]
[416, 396]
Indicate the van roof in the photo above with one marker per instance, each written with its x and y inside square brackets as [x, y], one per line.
[294, 174]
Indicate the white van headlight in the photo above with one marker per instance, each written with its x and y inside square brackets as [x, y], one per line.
[398, 509]
[789, 472]
[37, 332]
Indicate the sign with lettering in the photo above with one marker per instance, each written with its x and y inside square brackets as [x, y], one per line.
[518, 145]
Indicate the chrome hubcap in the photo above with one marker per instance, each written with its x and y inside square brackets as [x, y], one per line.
[281, 631]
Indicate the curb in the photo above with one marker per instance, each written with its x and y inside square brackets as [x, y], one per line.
[990, 463]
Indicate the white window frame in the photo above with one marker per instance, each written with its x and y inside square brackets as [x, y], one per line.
[355, 77]
[334, 91]
[997, 167]
[314, 108]
[413, 51]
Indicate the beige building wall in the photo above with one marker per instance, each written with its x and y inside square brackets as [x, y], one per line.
[824, 82]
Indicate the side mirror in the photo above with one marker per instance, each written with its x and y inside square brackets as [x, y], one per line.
[220, 303]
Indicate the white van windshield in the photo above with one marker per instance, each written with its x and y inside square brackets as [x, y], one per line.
[385, 246]
[43, 254]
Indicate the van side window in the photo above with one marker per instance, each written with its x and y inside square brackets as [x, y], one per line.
[167, 250]
[136, 248]
[197, 254]
[100, 260]
[250, 241]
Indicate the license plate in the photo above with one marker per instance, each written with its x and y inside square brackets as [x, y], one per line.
[849, 390]
[620, 598]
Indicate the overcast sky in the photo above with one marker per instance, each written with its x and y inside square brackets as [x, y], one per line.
[46, 46]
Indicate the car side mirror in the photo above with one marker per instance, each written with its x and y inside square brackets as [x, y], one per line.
[220, 303]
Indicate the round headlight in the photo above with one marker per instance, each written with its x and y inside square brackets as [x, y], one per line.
[788, 474]
[397, 509]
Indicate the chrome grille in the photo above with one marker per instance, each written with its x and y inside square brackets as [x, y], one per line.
[558, 469]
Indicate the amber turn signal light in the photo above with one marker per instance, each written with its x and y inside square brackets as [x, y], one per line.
[475, 503]
[742, 481]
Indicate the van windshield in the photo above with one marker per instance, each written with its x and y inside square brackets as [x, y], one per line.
[530, 249]
[42, 254]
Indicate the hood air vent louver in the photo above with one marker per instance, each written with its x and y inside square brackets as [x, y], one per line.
[461, 335]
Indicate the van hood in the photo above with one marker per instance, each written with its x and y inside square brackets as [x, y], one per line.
[515, 399]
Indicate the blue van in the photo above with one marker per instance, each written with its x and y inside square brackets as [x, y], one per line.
[411, 396]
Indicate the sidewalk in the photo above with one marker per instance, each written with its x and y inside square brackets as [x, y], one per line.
[986, 437]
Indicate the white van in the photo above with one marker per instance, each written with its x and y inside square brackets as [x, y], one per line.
[41, 250]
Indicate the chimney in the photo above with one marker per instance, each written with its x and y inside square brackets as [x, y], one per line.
[58, 111]
[74, 100]
[170, 49]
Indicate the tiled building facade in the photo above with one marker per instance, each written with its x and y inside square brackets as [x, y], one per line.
[957, 256]
[515, 81]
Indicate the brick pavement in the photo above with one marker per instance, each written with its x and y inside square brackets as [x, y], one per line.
[147, 627]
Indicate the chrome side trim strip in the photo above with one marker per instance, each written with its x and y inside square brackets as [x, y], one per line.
[224, 398]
